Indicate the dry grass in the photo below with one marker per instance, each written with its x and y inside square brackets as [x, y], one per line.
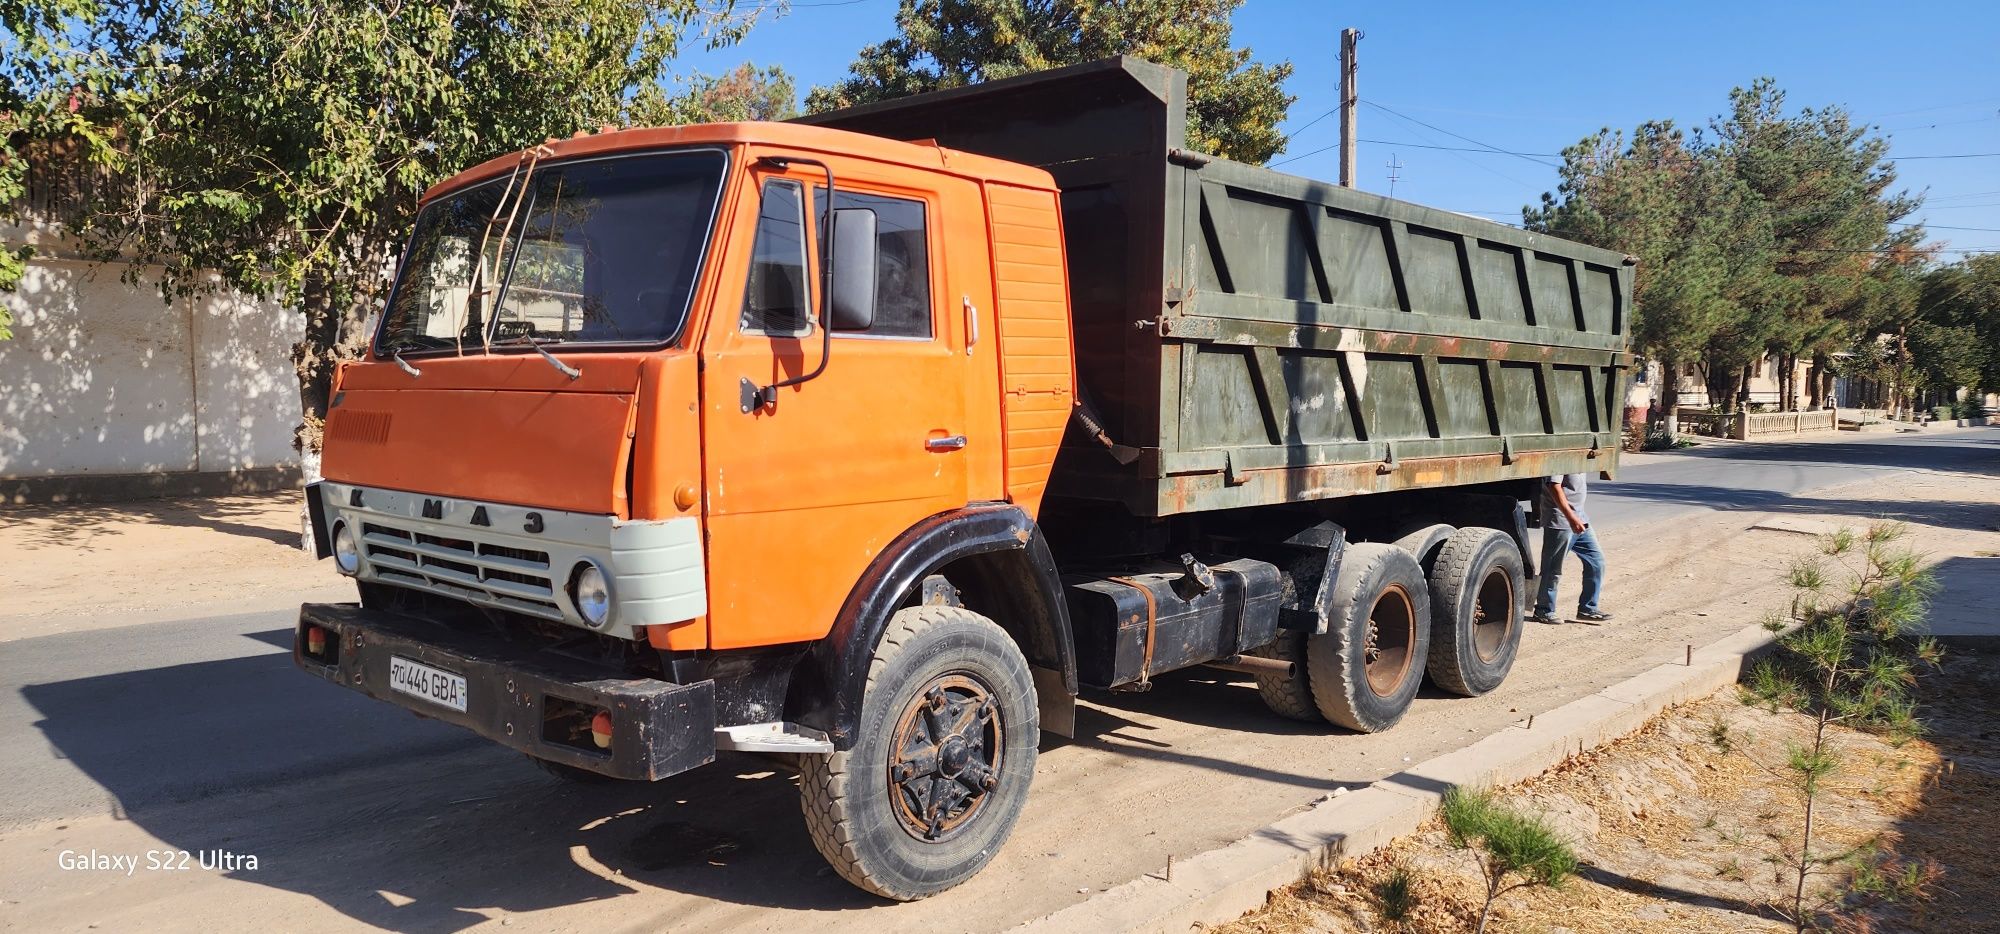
[1677, 826]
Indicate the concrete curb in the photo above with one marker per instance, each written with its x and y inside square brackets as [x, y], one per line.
[1219, 885]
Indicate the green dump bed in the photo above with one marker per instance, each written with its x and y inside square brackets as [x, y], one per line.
[1263, 338]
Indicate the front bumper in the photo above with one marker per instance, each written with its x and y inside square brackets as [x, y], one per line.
[518, 696]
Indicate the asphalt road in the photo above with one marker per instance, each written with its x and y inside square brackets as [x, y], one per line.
[1783, 477]
[143, 720]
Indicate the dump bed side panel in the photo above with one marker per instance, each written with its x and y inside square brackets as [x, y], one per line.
[1329, 327]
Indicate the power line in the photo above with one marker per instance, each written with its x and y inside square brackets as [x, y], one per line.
[1811, 249]
[1943, 226]
[1504, 152]
[1311, 122]
[1898, 113]
[1484, 145]
[1553, 155]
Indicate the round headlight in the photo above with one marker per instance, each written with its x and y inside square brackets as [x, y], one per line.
[592, 592]
[346, 551]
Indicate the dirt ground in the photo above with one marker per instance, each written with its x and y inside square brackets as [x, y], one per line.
[1677, 827]
[81, 567]
[1192, 765]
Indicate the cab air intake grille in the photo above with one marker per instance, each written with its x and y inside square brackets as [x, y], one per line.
[463, 568]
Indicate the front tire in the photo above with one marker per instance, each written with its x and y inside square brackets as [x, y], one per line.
[941, 762]
[1365, 670]
[1477, 591]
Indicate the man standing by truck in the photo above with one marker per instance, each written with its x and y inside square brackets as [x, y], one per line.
[1566, 528]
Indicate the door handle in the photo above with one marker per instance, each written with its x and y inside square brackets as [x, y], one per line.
[949, 443]
[971, 324]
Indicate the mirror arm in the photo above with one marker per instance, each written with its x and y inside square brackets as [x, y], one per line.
[755, 398]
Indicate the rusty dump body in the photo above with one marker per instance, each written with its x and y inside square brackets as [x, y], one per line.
[1263, 338]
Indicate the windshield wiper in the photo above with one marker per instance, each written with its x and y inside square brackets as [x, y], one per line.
[537, 342]
[396, 354]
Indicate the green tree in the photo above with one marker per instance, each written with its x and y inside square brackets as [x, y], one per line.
[1850, 655]
[745, 93]
[1768, 233]
[284, 143]
[1821, 181]
[1671, 202]
[1234, 107]
[1956, 335]
[55, 63]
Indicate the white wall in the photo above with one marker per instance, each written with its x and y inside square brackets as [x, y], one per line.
[103, 377]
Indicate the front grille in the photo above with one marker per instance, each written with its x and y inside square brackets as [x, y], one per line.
[479, 572]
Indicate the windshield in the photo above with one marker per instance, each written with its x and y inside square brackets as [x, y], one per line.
[605, 250]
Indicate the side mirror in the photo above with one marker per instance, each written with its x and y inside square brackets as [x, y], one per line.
[852, 292]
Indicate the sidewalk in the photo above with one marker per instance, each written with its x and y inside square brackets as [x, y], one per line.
[71, 568]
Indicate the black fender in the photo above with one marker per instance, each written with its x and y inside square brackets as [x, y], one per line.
[1517, 526]
[1423, 542]
[834, 673]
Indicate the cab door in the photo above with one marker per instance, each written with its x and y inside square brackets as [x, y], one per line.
[802, 494]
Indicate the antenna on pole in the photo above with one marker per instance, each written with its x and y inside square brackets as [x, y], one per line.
[1394, 165]
[1349, 40]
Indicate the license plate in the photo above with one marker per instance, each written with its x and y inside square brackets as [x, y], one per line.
[419, 680]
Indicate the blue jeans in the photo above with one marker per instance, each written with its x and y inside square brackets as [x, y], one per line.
[1556, 542]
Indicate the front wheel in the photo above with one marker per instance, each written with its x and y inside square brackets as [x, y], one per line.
[941, 761]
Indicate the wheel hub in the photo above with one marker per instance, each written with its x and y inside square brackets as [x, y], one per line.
[944, 759]
[1492, 614]
[1386, 650]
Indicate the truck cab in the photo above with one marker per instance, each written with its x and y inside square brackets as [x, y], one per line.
[639, 415]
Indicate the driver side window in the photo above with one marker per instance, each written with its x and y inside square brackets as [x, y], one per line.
[778, 300]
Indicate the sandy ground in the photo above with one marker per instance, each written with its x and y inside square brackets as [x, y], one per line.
[467, 835]
[1677, 828]
[70, 568]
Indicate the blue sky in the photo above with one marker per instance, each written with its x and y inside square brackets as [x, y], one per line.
[1533, 78]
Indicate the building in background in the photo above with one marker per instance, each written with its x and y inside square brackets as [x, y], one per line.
[112, 393]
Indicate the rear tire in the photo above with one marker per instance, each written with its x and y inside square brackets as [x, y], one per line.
[1477, 592]
[1290, 697]
[1366, 668]
[907, 811]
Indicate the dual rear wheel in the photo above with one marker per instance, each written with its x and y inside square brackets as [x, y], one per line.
[1390, 622]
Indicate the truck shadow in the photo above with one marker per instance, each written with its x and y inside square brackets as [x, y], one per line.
[412, 825]
[409, 824]
[1948, 514]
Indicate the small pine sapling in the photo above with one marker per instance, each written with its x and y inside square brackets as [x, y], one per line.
[1849, 658]
[1514, 850]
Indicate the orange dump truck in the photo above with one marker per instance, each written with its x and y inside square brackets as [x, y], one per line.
[869, 442]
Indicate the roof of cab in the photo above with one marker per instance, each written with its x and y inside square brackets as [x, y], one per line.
[924, 154]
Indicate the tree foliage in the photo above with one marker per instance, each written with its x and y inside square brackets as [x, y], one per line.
[1769, 231]
[1955, 331]
[55, 56]
[1515, 850]
[284, 143]
[745, 93]
[1235, 103]
[1851, 651]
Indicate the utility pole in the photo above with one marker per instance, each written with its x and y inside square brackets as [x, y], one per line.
[1394, 166]
[1349, 39]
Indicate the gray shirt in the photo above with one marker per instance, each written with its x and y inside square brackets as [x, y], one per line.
[1576, 489]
